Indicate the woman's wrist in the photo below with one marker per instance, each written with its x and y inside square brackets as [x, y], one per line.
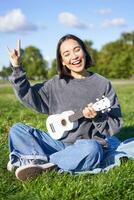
[16, 66]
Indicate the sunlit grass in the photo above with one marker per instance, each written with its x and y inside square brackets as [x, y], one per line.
[117, 184]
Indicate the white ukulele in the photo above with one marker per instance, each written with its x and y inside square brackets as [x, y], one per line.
[59, 124]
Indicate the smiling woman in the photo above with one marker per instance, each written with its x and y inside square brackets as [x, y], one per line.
[81, 148]
[72, 56]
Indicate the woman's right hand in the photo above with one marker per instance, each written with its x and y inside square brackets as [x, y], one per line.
[14, 55]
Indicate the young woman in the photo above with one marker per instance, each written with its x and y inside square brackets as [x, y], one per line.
[82, 148]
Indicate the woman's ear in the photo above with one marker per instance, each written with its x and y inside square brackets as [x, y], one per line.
[62, 62]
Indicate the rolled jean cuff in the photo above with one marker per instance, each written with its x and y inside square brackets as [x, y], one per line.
[18, 160]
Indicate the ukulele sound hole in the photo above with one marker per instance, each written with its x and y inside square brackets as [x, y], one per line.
[63, 122]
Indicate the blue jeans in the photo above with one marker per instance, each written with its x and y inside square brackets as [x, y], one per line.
[27, 144]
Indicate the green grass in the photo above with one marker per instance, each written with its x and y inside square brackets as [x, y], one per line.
[117, 184]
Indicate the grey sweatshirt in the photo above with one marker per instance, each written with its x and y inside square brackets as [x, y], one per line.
[57, 95]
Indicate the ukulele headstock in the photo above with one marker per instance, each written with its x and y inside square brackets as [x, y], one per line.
[102, 105]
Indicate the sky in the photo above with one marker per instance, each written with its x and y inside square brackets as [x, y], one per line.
[42, 23]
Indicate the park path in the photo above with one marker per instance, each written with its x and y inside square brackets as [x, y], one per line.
[122, 82]
[116, 82]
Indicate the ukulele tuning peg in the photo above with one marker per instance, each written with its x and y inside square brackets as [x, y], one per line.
[97, 99]
[103, 96]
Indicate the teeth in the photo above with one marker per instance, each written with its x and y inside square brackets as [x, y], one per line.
[76, 62]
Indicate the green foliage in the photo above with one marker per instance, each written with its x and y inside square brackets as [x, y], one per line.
[128, 37]
[35, 65]
[116, 60]
[5, 72]
[93, 52]
[53, 70]
[117, 184]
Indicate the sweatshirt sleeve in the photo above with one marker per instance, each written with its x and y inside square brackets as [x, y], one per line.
[109, 123]
[35, 97]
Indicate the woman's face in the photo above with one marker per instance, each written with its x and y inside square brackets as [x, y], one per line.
[73, 56]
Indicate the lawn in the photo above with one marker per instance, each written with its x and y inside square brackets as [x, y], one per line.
[117, 184]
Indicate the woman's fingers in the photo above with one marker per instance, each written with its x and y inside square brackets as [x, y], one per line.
[15, 51]
[18, 47]
[89, 112]
[8, 50]
[14, 54]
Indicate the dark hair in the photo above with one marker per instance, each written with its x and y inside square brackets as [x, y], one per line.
[63, 70]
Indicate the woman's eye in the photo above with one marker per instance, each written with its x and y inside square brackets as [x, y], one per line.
[67, 54]
[77, 49]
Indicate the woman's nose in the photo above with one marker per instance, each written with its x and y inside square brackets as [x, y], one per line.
[74, 55]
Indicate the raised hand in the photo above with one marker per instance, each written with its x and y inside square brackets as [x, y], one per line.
[14, 55]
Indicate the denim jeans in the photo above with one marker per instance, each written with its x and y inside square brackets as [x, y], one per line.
[27, 144]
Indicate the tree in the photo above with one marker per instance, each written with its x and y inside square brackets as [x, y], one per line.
[115, 60]
[93, 52]
[5, 72]
[128, 37]
[34, 63]
[53, 70]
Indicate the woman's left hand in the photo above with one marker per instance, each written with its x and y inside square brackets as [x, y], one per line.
[89, 112]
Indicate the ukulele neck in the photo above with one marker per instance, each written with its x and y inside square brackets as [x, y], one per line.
[75, 116]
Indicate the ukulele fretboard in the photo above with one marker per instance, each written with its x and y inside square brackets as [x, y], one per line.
[75, 116]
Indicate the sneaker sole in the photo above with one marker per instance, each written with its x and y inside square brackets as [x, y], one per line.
[27, 172]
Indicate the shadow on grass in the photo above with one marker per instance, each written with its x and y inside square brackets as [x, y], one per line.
[125, 133]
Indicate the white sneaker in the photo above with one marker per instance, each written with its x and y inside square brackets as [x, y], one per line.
[30, 171]
[10, 167]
